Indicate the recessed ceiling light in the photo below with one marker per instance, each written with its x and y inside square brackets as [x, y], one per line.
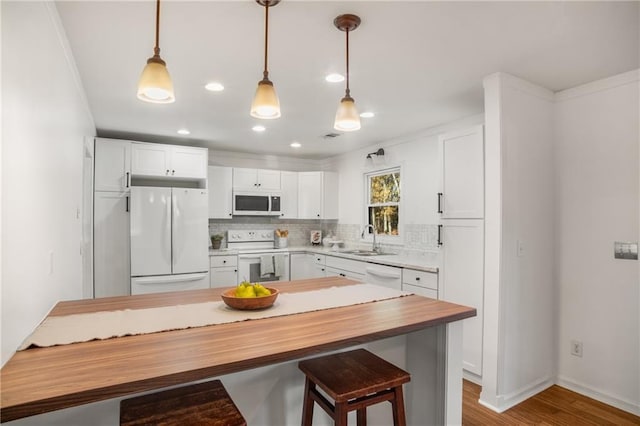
[367, 114]
[258, 128]
[184, 132]
[214, 86]
[334, 78]
[295, 145]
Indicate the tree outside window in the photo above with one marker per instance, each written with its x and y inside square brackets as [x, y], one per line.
[383, 207]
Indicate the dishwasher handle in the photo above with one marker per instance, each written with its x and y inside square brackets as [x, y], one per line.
[379, 273]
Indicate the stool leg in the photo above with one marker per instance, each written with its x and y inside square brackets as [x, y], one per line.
[340, 414]
[362, 417]
[307, 404]
[399, 417]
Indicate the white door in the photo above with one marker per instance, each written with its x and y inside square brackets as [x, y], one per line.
[309, 195]
[220, 188]
[245, 179]
[289, 206]
[301, 266]
[112, 165]
[111, 273]
[190, 233]
[150, 231]
[463, 281]
[462, 174]
[269, 180]
[189, 162]
[150, 159]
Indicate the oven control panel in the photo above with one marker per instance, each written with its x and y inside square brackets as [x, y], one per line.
[242, 235]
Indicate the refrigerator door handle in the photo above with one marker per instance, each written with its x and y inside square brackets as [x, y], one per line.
[168, 279]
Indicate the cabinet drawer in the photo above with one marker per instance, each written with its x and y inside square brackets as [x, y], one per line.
[332, 272]
[420, 278]
[319, 259]
[420, 291]
[218, 261]
[346, 264]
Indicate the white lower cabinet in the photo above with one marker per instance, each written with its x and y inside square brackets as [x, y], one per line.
[111, 245]
[224, 271]
[420, 282]
[307, 265]
[463, 281]
[335, 272]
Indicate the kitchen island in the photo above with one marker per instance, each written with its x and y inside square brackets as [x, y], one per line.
[256, 360]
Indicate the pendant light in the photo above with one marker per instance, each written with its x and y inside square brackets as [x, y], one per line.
[155, 83]
[347, 118]
[265, 103]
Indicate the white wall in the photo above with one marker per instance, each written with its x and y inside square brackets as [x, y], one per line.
[596, 203]
[45, 118]
[519, 337]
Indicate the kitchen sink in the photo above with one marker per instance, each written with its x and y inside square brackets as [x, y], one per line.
[366, 253]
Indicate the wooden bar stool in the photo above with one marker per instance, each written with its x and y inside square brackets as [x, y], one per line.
[200, 404]
[355, 380]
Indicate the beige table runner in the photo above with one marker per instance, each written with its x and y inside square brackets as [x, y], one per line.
[62, 330]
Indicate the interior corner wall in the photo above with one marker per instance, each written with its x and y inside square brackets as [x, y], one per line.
[519, 328]
[597, 203]
[45, 119]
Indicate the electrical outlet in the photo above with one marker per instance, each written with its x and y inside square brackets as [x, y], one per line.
[576, 348]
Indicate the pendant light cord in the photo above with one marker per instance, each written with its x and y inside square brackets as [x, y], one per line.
[266, 39]
[347, 92]
[156, 49]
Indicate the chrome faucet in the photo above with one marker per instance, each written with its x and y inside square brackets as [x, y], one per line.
[373, 228]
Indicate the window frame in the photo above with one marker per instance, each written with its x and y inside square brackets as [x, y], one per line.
[382, 238]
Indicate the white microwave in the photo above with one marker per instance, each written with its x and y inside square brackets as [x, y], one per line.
[249, 203]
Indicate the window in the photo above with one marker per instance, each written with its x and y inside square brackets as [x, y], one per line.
[383, 201]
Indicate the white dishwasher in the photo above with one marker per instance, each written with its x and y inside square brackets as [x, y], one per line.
[386, 276]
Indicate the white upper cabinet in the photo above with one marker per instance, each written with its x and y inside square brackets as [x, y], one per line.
[256, 179]
[289, 206]
[220, 185]
[317, 195]
[156, 160]
[112, 165]
[461, 193]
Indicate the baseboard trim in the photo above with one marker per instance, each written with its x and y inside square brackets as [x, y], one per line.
[473, 378]
[507, 401]
[585, 390]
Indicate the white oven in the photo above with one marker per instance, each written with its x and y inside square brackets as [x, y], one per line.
[258, 260]
[264, 266]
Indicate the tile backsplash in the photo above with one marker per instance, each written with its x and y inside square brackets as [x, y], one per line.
[418, 239]
[299, 229]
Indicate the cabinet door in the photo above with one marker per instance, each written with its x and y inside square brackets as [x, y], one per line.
[246, 179]
[150, 159]
[189, 162]
[463, 281]
[329, 195]
[462, 174]
[318, 271]
[289, 204]
[301, 266]
[309, 195]
[112, 165]
[111, 245]
[268, 180]
[220, 187]
[224, 277]
[333, 272]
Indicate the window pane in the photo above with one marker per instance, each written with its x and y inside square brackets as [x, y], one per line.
[384, 219]
[385, 188]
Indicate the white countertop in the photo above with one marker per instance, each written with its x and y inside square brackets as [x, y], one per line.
[426, 261]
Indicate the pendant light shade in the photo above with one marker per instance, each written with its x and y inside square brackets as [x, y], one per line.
[347, 117]
[265, 103]
[155, 83]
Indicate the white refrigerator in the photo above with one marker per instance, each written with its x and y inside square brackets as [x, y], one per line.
[169, 239]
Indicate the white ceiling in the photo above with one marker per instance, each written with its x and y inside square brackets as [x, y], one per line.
[415, 64]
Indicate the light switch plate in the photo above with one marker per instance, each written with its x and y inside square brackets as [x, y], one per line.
[625, 250]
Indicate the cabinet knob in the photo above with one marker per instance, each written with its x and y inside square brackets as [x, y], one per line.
[224, 261]
[417, 278]
[167, 172]
[318, 215]
[259, 184]
[230, 214]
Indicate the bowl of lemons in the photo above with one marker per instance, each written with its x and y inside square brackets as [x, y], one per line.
[247, 296]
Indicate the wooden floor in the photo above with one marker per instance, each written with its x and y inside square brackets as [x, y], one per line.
[553, 406]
